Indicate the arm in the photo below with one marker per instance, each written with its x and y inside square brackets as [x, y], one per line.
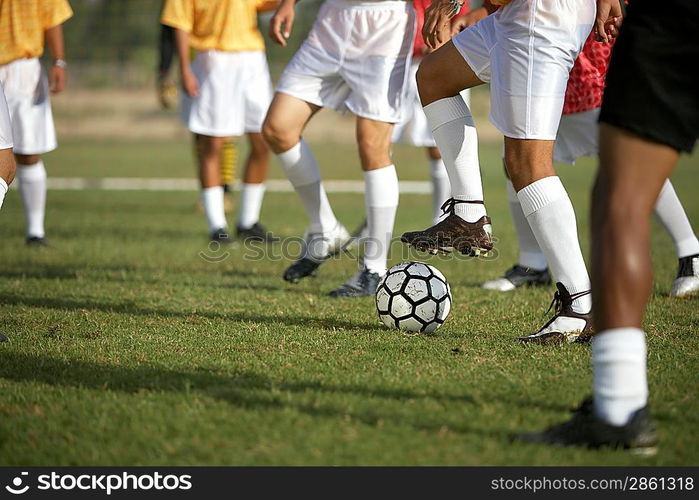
[460, 23]
[189, 81]
[282, 22]
[57, 74]
[267, 5]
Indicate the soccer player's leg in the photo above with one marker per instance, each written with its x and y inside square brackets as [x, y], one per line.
[8, 166]
[209, 150]
[466, 227]
[380, 205]
[286, 119]
[672, 216]
[252, 192]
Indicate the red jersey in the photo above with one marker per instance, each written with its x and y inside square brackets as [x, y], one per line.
[586, 80]
[420, 6]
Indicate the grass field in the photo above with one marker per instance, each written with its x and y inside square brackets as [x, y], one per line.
[127, 347]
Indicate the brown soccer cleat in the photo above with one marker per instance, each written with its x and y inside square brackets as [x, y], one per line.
[454, 234]
[567, 325]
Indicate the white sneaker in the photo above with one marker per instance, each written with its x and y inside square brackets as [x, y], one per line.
[687, 280]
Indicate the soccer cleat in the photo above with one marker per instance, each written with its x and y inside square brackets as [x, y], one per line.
[453, 234]
[257, 232]
[518, 276]
[3, 338]
[586, 429]
[221, 236]
[317, 248]
[362, 284]
[566, 325]
[37, 241]
[687, 281]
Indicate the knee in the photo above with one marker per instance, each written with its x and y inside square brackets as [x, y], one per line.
[374, 151]
[277, 136]
[427, 77]
[27, 159]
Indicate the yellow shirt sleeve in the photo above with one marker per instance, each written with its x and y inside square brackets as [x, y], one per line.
[178, 14]
[54, 12]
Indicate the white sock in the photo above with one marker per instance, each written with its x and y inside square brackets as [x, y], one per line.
[547, 207]
[251, 196]
[381, 203]
[530, 255]
[619, 374]
[3, 190]
[212, 199]
[672, 216]
[32, 188]
[441, 189]
[302, 170]
[455, 134]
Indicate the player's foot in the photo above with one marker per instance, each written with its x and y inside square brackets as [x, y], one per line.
[221, 236]
[37, 241]
[317, 248]
[567, 325]
[257, 232]
[362, 284]
[687, 280]
[586, 429]
[518, 276]
[453, 234]
[3, 338]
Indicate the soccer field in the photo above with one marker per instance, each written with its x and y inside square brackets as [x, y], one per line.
[127, 346]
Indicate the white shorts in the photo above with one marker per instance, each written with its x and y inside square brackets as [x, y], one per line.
[413, 128]
[356, 57]
[577, 137]
[526, 50]
[27, 93]
[235, 91]
[5, 125]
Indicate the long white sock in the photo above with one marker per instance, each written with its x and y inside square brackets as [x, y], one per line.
[530, 255]
[212, 199]
[302, 170]
[381, 203]
[32, 188]
[441, 189]
[3, 190]
[455, 134]
[672, 216]
[547, 207]
[619, 374]
[251, 196]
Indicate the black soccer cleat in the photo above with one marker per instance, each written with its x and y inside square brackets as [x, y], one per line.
[687, 281]
[453, 234]
[519, 276]
[221, 236]
[362, 284]
[566, 324]
[586, 429]
[302, 268]
[257, 232]
[37, 241]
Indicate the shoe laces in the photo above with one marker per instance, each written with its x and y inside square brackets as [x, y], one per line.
[561, 300]
[449, 205]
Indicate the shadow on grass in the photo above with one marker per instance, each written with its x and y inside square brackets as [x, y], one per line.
[244, 390]
[137, 309]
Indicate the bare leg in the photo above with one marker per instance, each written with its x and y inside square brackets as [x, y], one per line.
[632, 172]
[209, 150]
[257, 164]
[286, 119]
[8, 166]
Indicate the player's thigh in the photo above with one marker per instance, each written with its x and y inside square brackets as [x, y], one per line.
[444, 73]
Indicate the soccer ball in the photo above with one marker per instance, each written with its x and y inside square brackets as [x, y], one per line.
[413, 296]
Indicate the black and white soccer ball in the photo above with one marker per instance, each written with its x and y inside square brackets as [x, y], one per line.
[413, 296]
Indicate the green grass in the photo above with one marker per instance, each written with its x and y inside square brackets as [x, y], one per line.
[126, 347]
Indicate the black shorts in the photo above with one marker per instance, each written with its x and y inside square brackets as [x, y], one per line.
[652, 87]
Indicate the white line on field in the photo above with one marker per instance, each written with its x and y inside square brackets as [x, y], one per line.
[174, 184]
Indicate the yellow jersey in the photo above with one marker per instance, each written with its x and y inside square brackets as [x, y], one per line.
[226, 25]
[22, 26]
